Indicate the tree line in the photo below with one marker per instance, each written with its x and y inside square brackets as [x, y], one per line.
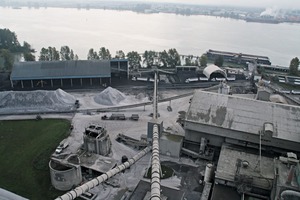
[148, 59]
[10, 46]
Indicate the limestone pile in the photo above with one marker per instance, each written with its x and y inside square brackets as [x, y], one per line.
[39, 101]
[109, 97]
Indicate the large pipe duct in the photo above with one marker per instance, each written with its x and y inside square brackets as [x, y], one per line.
[155, 173]
[96, 181]
[289, 193]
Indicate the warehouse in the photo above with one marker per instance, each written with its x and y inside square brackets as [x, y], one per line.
[66, 74]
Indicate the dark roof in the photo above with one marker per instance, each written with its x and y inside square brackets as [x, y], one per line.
[143, 187]
[221, 192]
[61, 69]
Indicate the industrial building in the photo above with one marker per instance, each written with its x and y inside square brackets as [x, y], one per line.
[58, 74]
[287, 179]
[239, 58]
[245, 122]
[248, 173]
[96, 140]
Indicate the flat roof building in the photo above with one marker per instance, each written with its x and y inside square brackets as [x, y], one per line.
[225, 118]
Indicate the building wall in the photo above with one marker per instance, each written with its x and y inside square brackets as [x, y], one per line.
[218, 135]
[99, 146]
[170, 148]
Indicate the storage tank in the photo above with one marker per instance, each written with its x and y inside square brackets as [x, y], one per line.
[64, 177]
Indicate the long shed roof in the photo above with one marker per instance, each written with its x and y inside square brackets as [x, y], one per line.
[61, 69]
[244, 115]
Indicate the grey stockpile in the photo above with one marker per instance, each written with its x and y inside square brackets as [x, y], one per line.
[109, 97]
[39, 101]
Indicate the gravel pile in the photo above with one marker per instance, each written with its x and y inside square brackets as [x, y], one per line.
[109, 97]
[39, 101]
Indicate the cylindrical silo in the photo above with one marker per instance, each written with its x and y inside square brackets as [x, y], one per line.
[64, 177]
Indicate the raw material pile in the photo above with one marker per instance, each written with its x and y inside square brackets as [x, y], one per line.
[38, 101]
[109, 97]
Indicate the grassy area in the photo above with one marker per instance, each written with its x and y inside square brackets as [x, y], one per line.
[25, 148]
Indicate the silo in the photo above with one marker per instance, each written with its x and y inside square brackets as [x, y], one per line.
[64, 176]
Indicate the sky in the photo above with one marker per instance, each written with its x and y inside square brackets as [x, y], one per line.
[292, 4]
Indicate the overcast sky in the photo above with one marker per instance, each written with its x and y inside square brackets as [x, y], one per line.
[253, 3]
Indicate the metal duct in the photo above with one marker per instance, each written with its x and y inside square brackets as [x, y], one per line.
[155, 174]
[287, 193]
[96, 181]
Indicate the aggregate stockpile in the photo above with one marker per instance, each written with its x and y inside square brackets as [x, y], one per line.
[39, 101]
[109, 97]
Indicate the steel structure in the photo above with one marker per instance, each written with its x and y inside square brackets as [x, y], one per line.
[100, 179]
[155, 173]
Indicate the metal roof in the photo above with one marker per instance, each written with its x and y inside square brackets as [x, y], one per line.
[213, 69]
[229, 170]
[244, 115]
[61, 69]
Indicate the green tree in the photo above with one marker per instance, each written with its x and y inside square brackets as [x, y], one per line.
[7, 59]
[134, 60]
[44, 55]
[76, 57]
[173, 58]
[120, 54]
[149, 58]
[29, 57]
[53, 53]
[104, 54]
[72, 57]
[9, 41]
[28, 52]
[49, 54]
[163, 58]
[203, 60]
[65, 53]
[219, 61]
[294, 65]
[92, 55]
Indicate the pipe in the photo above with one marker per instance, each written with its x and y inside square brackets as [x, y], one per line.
[286, 193]
[96, 181]
[155, 174]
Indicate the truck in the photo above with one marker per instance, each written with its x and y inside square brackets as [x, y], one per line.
[114, 117]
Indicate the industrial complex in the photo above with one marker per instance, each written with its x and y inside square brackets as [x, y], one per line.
[204, 140]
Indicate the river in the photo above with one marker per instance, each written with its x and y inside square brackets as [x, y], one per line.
[128, 31]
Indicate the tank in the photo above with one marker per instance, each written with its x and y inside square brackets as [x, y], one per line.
[64, 177]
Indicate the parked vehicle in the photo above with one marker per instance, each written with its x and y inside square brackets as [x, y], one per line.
[64, 144]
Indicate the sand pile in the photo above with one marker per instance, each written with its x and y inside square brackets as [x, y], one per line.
[35, 101]
[109, 97]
